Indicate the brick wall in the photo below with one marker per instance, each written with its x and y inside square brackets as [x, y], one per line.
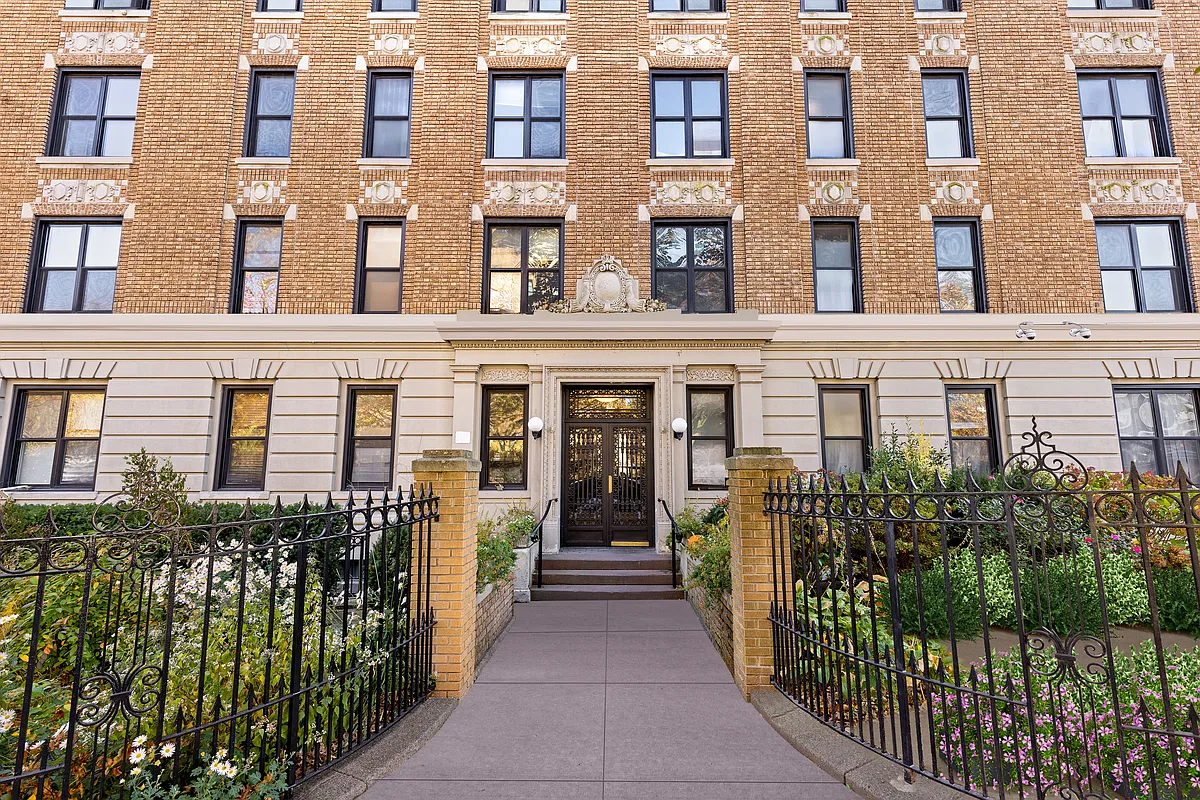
[717, 617]
[184, 186]
[492, 615]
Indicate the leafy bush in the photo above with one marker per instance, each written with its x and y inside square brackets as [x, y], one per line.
[927, 610]
[1125, 592]
[495, 556]
[1061, 595]
[711, 570]
[222, 779]
[1175, 591]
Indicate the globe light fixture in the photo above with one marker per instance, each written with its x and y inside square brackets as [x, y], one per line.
[536, 426]
[679, 426]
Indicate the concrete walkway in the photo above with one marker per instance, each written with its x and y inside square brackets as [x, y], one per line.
[609, 700]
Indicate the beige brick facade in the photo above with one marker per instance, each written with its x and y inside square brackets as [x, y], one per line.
[184, 185]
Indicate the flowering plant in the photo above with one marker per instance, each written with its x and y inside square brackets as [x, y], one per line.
[223, 778]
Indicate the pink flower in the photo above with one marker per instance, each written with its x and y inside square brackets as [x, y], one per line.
[1137, 549]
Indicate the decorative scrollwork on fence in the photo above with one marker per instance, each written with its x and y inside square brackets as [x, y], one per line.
[1040, 466]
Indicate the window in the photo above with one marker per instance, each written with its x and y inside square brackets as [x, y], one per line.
[959, 266]
[94, 114]
[75, 266]
[504, 436]
[243, 456]
[523, 271]
[1142, 266]
[710, 436]
[822, 5]
[1159, 429]
[56, 438]
[269, 124]
[381, 267]
[827, 104]
[395, 5]
[1109, 4]
[371, 438]
[692, 266]
[974, 440]
[517, 6]
[687, 5]
[526, 116]
[938, 5]
[845, 434]
[389, 107]
[1123, 115]
[107, 4]
[256, 282]
[835, 265]
[278, 5]
[947, 119]
[688, 115]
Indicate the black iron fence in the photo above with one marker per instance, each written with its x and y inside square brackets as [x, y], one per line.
[284, 642]
[1031, 633]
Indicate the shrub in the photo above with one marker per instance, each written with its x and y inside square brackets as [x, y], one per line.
[927, 611]
[1175, 591]
[496, 557]
[1125, 592]
[711, 570]
[1061, 595]
[151, 485]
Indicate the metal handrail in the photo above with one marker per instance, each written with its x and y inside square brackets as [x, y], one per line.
[675, 536]
[536, 536]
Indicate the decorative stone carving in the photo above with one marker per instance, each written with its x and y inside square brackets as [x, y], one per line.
[504, 375]
[76, 190]
[943, 44]
[836, 189]
[527, 45]
[261, 191]
[690, 45]
[394, 43]
[1136, 190]
[954, 191]
[606, 288]
[1093, 42]
[95, 43]
[276, 43]
[385, 191]
[690, 193]
[826, 45]
[709, 375]
[531, 193]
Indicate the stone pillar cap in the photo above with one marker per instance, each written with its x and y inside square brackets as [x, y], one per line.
[447, 461]
[759, 458]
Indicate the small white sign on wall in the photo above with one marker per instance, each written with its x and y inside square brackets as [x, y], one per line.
[462, 437]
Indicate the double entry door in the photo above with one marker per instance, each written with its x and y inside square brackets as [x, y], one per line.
[608, 478]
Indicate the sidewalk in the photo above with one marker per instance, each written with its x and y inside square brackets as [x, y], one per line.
[606, 699]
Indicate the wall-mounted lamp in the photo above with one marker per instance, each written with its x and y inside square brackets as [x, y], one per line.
[679, 427]
[536, 426]
[1025, 331]
[1078, 331]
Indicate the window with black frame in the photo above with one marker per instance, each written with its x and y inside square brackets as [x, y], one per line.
[526, 116]
[523, 269]
[245, 425]
[269, 123]
[693, 266]
[845, 432]
[279, 5]
[938, 5]
[956, 249]
[689, 115]
[503, 440]
[256, 272]
[389, 111]
[827, 107]
[371, 439]
[1159, 429]
[683, 6]
[710, 435]
[75, 266]
[55, 439]
[835, 265]
[1110, 5]
[108, 5]
[94, 114]
[528, 6]
[822, 5]
[394, 5]
[947, 115]
[974, 438]
[381, 267]
[1142, 265]
[1123, 115]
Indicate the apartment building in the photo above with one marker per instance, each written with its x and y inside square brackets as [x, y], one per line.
[291, 244]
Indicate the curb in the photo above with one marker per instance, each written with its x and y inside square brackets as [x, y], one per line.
[864, 772]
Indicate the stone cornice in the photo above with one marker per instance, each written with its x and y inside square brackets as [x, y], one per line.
[470, 328]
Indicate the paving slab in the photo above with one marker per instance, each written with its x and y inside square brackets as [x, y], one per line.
[493, 790]
[546, 658]
[664, 656]
[560, 617]
[652, 615]
[698, 790]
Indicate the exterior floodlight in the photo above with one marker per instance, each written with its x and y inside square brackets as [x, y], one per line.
[1025, 331]
[1079, 331]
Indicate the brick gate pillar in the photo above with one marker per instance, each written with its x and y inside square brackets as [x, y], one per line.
[454, 476]
[750, 471]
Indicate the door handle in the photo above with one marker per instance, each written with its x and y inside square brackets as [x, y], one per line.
[610, 484]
